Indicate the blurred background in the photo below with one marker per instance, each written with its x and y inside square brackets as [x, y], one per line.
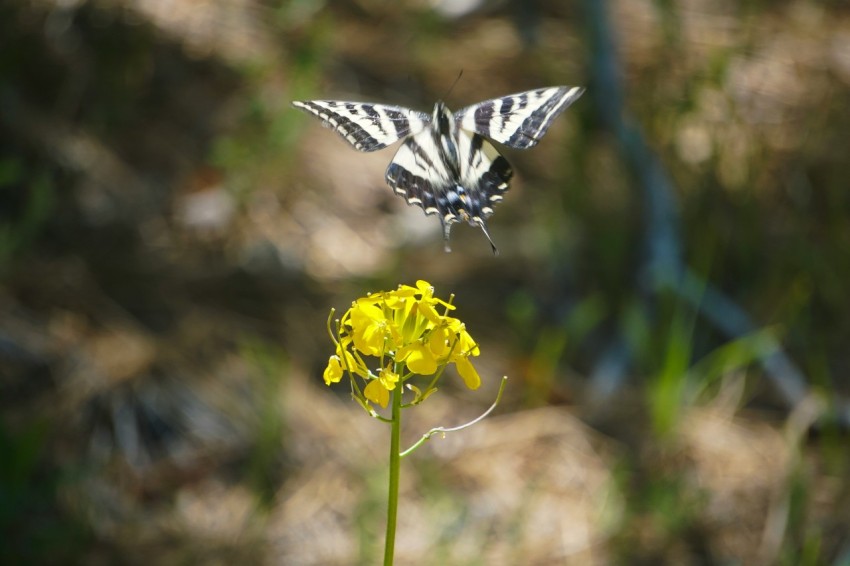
[670, 302]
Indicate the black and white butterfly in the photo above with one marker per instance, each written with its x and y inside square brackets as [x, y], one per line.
[445, 165]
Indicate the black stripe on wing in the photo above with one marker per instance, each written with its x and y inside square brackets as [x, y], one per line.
[367, 127]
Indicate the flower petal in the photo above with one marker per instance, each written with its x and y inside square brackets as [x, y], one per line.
[351, 363]
[426, 309]
[438, 341]
[419, 359]
[468, 373]
[425, 289]
[377, 393]
[333, 373]
[388, 378]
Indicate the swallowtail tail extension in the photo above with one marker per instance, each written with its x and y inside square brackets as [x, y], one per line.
[445, 164]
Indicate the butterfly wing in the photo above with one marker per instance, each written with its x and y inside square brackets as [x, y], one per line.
[486, 172]
[420, 174]
[518, 120]
[367, 127]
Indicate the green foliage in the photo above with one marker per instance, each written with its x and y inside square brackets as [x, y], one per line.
[553, 344]
[263, 145]
[661, 510]
[33, 527]
[667, 390]
[36, 197]
[265, 460]
[680, 381]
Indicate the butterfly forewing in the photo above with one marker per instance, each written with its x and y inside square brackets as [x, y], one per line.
[518, 120]
[368, 127]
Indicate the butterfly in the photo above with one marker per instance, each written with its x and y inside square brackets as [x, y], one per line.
[446, 164]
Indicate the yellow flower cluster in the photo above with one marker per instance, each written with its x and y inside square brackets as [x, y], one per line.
[404, 330]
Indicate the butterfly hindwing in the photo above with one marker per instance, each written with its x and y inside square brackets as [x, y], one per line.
[518, 120]
[419, 174]
[429, 182]
[368, 127]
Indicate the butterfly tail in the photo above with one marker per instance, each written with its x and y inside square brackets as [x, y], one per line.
[483, 227]
[447, 228]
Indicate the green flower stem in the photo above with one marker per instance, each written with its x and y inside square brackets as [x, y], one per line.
[395, 460]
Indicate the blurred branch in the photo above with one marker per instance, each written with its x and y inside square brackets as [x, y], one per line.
[664, 267]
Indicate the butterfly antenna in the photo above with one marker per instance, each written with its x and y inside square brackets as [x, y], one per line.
[451, 88]
[486, 233]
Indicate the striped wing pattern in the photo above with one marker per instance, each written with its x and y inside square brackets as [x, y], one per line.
[468, 194]
[445, 165]
[518, 120]
[368, 127]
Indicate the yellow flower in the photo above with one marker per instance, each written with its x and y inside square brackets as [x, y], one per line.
[333, 373]
[467, 373]
[378, 390]
[349, 361]
[369, 327]
[438, 341]
[419, 358]
[404, 330]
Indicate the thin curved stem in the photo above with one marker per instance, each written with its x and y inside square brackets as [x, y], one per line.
[442, 430]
